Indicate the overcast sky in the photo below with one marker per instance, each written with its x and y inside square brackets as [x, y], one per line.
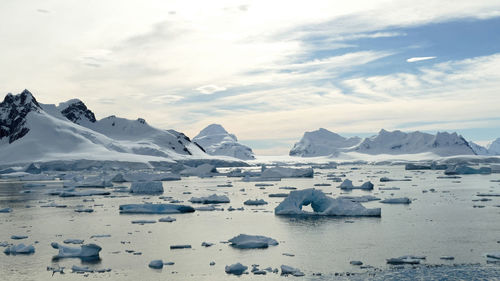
[266, 70]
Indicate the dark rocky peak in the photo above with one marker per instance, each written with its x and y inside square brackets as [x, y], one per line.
[13, 112]
[76, 111]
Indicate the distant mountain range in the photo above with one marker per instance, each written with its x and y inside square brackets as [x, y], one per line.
[323, 143]
[31, 131]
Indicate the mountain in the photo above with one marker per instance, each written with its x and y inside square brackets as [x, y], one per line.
[478, 149]
[494, 147]
[322, 142]
[31, 131]
[215, 140]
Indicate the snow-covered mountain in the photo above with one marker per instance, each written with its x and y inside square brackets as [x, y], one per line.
[492, 148]
[30, 131]
[322, 142]
[215, 140]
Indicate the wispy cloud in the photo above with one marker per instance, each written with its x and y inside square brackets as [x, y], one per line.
[415, 59]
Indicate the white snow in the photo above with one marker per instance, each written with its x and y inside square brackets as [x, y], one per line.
[84, 251]
[154, 209]
[149, 187]
[217, 141]
[322, 205]
[244, 241]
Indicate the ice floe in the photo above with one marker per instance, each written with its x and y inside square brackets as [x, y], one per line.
[236, 269]
[256, 202]
[401, 200]
[212, 199]
[84, 251]
[347, 184]
[149, 187]
[20, 249]
[155, 209]
[322, 205]
[244, 241]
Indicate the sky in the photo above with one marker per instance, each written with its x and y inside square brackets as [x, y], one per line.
[268, 71]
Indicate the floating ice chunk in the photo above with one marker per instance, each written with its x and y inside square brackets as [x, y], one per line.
[447, 258]
[204, 170]
[466, 170]
[155, 209]
[6, 210]
[212, 199]
[286, 172]
[84, 210]
[278, 195]
[264, 184]
[20, 249]
[494, 255]
[81, 269]
[18, 237]
[386, 179]
[31, 185]
[156, 264]
[322, 205]
[244, 241]
[54, 205]
[207, 244]
[100, 236]
[288, 187]
[401, 200]
[142, 222]
[488, 194]
[288, 270]
[173, 247]
[356, 262]
[389, 188]
[361, 199]
[83, 193]
[347, 184]
[73, 241]
[406, 260]
[145, 176]
[236, 269]
[255, 202]
[84, 251]
[167, 219]
[208, 208]
[149, 187]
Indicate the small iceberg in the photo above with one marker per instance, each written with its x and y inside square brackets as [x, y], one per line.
[19, 249]
[6, 210]
[149, 187]
[155, 209]
[143, 222]
[244, 241]
[156, 264]
[236, 269]
[167, 219]
[288, 270]
[73, 241]
[255, 202]
[401, 200]
[84, 251]
[212, 199]
[18, 237]
[322, 205]
[405, 260]
[347, 185]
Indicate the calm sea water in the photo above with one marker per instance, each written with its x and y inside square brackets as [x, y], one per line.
[435, 224]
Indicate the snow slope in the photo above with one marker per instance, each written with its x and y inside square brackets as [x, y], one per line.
[215, 140]
[30, 131]
[324, 143]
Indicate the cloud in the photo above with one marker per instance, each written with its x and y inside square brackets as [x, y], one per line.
[415, 59]
[210, 89]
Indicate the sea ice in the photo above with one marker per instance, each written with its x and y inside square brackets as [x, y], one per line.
[236, 269]
[212, 199]
[466, 170]
[401, 200]
[19, 249]
[244, 241]
[157, 264]
[347, 184]
[84, 251]
[288, 270]
[18, 237]
[322, 205]
[149, 187]
[155, 209]
[167, 219]
[204, 170]
[73, 241]
[255, 202]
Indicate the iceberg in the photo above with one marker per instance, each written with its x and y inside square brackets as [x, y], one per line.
[236, 269]
[212, 199]
[288, 270]
[84, 251]
[156, 264]
[255, 202]
[286, 172]
[466, 170]
[244, 241]
[202, 171]
[6, 210]
[167, 219]
[401, 200]
[347, 184]
[19, 249]
[155, 209]
[322, 205]
[149, 187]
[74, 193]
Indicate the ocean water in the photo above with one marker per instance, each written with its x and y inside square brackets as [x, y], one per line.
[435, 224]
